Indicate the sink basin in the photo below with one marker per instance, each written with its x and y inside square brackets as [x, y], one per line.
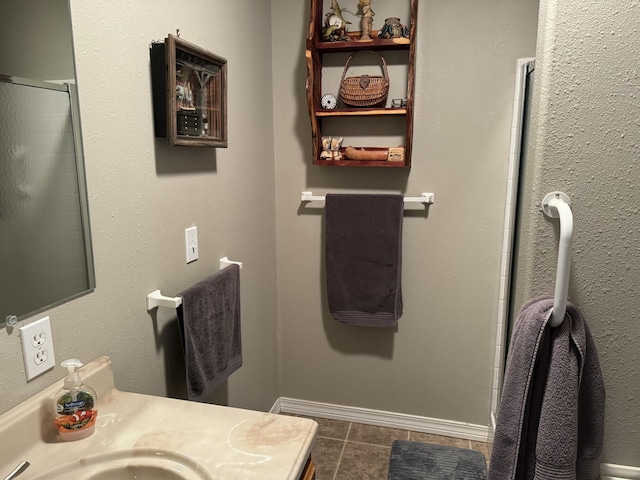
[138, 464]
[140, 472]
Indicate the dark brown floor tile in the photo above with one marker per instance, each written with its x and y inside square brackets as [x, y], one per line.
[363, 462]
[326, 455]
[331, 428]
[375, 435]
[439, 440]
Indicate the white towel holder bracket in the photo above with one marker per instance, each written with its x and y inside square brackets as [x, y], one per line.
[546, 203]
[225, 262]
[156, 299]
[557, 205]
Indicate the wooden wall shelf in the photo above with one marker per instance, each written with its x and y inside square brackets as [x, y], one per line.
[317, 50]
[354, 112]
[374, 44]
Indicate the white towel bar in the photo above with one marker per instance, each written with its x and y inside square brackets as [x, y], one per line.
[423, 198]
[557, 205]
[156, 299]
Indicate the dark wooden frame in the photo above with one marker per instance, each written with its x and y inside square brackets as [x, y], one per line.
[163, 64]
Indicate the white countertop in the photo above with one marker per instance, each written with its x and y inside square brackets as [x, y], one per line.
[219, 442]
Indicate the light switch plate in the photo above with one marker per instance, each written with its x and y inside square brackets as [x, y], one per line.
[37, 348]
[191, 242]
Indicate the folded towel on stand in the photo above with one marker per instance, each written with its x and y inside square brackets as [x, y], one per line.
[363, 258]
[551, 420]
[209, 319]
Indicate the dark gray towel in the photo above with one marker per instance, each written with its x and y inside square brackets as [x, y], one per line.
[551, 419]
[210, 322]
[363, 257]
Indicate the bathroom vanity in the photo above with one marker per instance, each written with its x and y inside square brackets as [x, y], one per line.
[144, 437]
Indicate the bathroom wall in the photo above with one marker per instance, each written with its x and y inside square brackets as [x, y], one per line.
[143, 194]
[49, 43]
[439, 362]
[586, 114]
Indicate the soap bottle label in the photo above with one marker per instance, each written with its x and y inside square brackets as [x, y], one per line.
[75, 414]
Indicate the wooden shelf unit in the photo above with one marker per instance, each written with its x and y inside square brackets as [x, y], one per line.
[316, 48]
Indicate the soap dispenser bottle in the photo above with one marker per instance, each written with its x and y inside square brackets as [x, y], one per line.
[75, 405]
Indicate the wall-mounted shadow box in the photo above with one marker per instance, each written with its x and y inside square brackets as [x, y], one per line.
[189, 94]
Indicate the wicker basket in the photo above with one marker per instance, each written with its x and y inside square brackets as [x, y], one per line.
[365, 90]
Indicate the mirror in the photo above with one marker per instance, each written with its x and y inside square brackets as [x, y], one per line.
[46, 257]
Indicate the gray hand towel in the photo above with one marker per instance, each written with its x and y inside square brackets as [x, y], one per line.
[551, 419]
[210, 322]
[363, 258]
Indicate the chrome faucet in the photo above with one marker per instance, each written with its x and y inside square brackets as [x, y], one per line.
[17, 471]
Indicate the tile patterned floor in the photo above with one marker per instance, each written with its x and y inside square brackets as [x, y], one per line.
[354, 451]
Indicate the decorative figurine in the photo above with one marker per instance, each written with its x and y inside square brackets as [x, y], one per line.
[335, 26]
[392, 28]
[184, 96]
[331, 148]
[367, 19]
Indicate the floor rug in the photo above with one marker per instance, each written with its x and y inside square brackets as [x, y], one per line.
[425, 461]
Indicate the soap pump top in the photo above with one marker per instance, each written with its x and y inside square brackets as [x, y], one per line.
[75, 405]
[73, 379]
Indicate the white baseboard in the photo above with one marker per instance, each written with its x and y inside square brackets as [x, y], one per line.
[276, 408]
[416, 424]
[381, 418]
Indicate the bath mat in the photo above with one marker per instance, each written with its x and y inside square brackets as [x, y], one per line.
[425, 461]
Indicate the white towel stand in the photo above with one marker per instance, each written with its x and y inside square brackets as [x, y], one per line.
[557, 205]
[423, 198]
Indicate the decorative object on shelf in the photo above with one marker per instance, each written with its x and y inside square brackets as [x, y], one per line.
[189, 123]
[399, 102]
[328, 101]
[189, 94]
[335, 26]
[379, 155]
[367, 19]
[392, 28]
[393, 154]
[365, 90]
[396, 154]
[331, 148]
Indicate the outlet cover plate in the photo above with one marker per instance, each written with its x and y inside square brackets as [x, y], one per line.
[191, 243]
[37, 348]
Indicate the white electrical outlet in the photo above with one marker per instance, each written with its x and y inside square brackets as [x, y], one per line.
[37, 348]
[191, 242]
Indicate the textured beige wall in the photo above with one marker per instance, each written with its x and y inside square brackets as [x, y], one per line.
[143, 194]
[43, 33]
[439, 362]
[586, 143]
